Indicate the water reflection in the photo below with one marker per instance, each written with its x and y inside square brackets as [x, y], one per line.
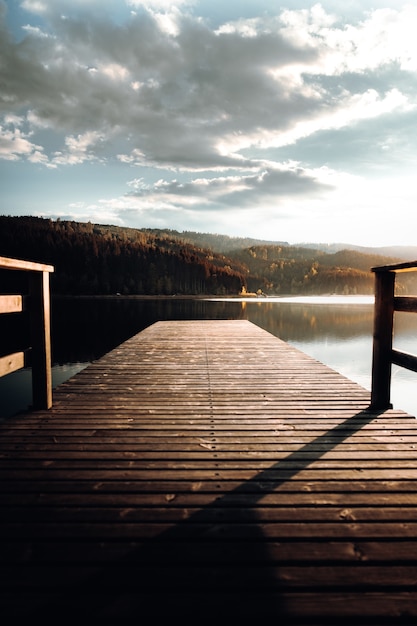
[338, 333]
[304, 322]
[84, 329]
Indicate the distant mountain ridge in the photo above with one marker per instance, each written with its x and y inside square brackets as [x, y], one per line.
[226, 243]
[406, 253]
[216, 242]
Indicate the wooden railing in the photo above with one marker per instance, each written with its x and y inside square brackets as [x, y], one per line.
[39, 311]
[383, 354]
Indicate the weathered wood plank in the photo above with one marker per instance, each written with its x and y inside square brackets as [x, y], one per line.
[41, 339]
[11, 304]
[11, 363]
[405, 303]
[173, 531]
[338, 497]
[229, 513]
[301, 551]
[207, 472]
[18, 264]
[409, 361]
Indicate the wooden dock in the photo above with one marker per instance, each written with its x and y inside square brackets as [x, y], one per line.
[208, 473]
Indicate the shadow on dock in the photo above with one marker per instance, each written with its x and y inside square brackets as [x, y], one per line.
[219, 565]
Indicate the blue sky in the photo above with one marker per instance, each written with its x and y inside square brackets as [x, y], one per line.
[290, 121]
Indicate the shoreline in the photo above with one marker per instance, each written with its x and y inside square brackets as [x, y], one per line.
[246, 298]
[299, 299]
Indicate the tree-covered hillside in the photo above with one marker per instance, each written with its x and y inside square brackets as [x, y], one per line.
[294, 270]
[223, 244]
[276, 267]
[97, 259]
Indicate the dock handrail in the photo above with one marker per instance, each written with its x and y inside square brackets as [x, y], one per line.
[39, 311]
[386, 303]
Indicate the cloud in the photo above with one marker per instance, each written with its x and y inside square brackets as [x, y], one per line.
[386, 36]
[61, 7]
[197, 100]
[270, 184]
[35, 6]
[231, 113]
[78, 149]
[15, 144]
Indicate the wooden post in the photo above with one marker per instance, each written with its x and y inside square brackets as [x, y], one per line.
[382, 339]
[41, 340]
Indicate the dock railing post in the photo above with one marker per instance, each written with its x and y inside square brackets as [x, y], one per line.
[382, 339]
[40, 340]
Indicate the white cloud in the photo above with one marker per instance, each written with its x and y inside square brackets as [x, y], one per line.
[348, 111]
[35, 31]
[198, 100]
[385, 36]
[135, 157]
[78, 149]
[13, 120]
[39, 157]
[245, 28]
[60, 7]
[35, 121]
[160, 5]
[115, 71]
[35, 6]
[15, 145]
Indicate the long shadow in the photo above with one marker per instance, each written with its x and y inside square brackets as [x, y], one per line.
[208, 568]
[236, 587]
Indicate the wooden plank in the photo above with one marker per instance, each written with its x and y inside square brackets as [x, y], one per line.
[230, 514]
[40, 323]
[407, 266]
[208, 472]
[193, 576]
[199, 527]
[11, 363]
[382, 340]
[302, 551]
[312, 485]
[11, 304]
[409, 361]
[406, 303]
[18, 264]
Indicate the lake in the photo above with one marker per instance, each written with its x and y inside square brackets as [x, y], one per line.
[336, 330]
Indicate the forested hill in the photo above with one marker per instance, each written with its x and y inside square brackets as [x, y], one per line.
[218, 243]
[297, 270]
[226, 244]
[96, 259]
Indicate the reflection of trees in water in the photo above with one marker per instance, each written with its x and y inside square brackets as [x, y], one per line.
[405, 333]
[83, 329]
[307, 321]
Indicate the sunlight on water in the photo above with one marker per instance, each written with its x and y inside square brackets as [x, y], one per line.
[350, 300]
[338, 331]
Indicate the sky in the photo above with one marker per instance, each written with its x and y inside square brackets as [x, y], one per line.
[282, 120]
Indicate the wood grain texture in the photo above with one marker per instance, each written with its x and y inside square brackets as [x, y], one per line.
[209, 473]
[11, 362]
[11, 304]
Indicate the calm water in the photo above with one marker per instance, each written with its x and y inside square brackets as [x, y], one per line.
[335, 330]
